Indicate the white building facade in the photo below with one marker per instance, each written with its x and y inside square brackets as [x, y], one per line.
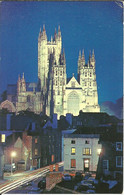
[81, 152]
[52, 93]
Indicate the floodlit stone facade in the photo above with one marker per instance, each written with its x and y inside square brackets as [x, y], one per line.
[81, 152]
[52, 93]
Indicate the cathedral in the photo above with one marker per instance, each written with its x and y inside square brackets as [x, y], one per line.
[54, 92]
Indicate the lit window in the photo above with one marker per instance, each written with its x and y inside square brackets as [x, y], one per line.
[87, 151]
[35, 140]
[73, 163]
[105, 164]
[118, 161]
[72, 141]
[52, 158]
[36, 152]
[3, 136]
[87, 141]
[118, 146]
[73, 151]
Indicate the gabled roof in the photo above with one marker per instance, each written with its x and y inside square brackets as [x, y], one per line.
[73, 83]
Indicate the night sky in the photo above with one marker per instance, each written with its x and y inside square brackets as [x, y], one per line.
[84, 25]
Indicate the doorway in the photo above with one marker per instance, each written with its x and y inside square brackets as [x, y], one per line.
[86, 164]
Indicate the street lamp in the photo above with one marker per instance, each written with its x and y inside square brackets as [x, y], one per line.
[13, 154]
[99, 150]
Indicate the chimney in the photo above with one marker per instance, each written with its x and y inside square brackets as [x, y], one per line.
[33, 126]
[55, 122]
[69, 118]
[8, 121]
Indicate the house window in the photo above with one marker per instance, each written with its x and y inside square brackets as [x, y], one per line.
[52, 158]
[85, 74]
[118, 161]
[118, 146]
[56, 83]
[3, 137]
[72, 141]
[73, 163]
[56, 72]
[90, 74]
[87, 151]
[73, 150]
[85, 83]
[90, 83]
[36, 152]
[105, 164]
[36, 141]
[87, 141]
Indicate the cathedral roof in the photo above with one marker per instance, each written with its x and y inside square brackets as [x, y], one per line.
[12, 88]
[73, 83]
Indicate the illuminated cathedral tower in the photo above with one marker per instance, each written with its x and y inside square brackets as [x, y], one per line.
[51, 72]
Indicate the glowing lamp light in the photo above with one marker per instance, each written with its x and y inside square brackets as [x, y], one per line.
[13, 154]
[99, 151]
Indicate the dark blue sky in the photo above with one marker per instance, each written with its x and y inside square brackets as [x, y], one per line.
[84, 25]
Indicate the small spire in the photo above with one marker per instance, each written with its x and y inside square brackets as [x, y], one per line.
[23, 75]
[64, 56]
[19, 77]
[89, 62]
[55, 31]
[83, 58]
[44, 27]
[93, 56]
[59, 32]
[83, 52]
[55, 35]
[90, 54]
[73, 74]
[40, 33]
[80, 53]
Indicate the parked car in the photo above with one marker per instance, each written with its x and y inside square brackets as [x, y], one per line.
[66, 177]
[78, 176]
[87, 175]
[9, 167]
[89, 183]
[90, 191]
[93, 179]
[82, 188]
[42, 183]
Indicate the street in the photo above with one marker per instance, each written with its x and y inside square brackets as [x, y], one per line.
[17, 182]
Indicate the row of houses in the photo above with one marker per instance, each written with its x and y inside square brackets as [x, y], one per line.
[98, 150]
[89, 142]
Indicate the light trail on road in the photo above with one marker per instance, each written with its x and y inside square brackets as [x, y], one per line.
[29, 177]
